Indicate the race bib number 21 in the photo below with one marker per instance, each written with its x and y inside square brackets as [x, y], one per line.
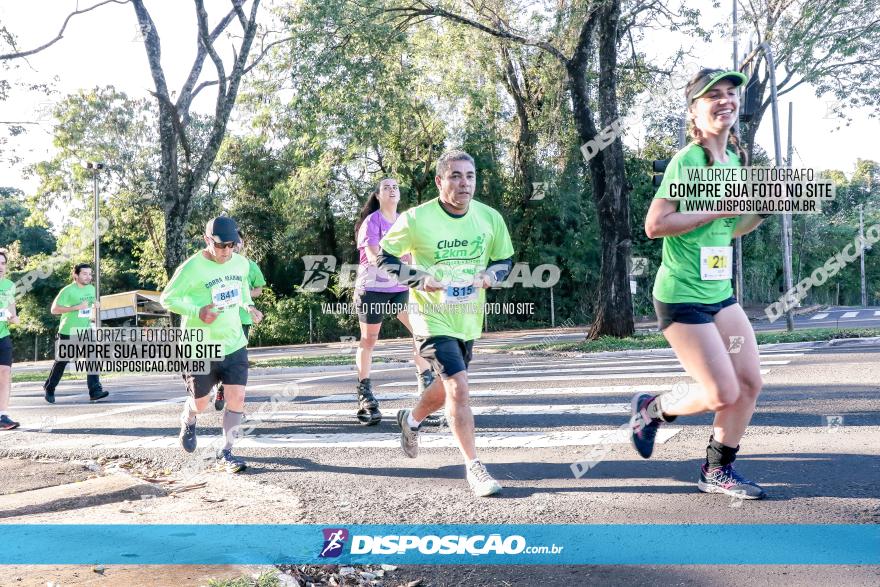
[716, 263]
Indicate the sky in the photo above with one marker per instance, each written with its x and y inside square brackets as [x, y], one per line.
[103, 48]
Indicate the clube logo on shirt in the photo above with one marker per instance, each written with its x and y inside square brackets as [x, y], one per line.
[460, 248]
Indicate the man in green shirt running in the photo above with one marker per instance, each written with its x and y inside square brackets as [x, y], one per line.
[77, 306]
[256, 281]
[8, 315]
[459, 247]
[207, 290]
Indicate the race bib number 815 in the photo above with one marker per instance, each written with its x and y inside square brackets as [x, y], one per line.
[716, 263]
[459, 294]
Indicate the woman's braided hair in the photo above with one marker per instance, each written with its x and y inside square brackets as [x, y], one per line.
[697, 135]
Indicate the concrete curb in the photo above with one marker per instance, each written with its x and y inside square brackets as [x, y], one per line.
[101, 490]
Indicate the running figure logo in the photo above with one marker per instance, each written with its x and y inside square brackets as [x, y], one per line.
[319, 268]
[334, 542]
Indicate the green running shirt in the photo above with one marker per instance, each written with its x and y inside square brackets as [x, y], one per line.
[452, 250]
[7, 296]
[255, 279]
[680, 278]
[199, 282]
[73, 295]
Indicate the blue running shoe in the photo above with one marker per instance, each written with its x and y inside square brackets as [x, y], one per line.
[7, 423]
[229, 463]
[188, 436]
[727, 481]
[643, 428]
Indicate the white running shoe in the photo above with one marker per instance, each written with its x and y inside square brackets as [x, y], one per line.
[409, 437]
[481, 481]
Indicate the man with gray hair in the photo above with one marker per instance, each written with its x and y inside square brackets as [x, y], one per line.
[460, 247]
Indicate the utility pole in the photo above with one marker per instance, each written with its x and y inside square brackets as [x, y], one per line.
[862, 256]
[737, 243]
[777, 151]
[94, 168]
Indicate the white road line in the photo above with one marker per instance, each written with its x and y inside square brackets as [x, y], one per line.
[361, 440]
[503, 392]
[311, 415]
[876, 312]
[565, 378]
[849, 314]
[819, 316]
[633, 368]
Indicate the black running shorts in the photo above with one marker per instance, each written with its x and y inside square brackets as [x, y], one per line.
[372, 306]
[232, 370]
[6, 351]
[446, 355]
[688, 313]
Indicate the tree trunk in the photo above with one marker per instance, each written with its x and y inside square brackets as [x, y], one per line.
[607, 178]
[176, 222]
[614, 307]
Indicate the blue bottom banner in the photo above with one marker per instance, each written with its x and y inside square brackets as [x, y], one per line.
[593, 544]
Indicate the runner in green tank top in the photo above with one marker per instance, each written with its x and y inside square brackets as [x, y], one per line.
[693, 296]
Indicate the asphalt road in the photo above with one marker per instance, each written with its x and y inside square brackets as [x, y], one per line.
[812, 444]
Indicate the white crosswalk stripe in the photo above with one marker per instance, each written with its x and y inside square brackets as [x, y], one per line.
[820, 316]
[651, 375]
[530, 439]
[536, 410]
[849, 314]
[517, 400]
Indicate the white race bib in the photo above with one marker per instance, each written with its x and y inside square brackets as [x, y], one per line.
[225, 296]
[85, 313]
[716, 263]
[4, 315]
[460, 293]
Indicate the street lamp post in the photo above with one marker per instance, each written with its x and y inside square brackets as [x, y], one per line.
[94, 167]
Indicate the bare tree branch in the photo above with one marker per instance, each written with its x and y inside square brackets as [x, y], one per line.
[208, 43]
[186, 93]
[410, 12]
[60, 35]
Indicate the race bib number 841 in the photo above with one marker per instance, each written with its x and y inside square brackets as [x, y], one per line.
[225, 296]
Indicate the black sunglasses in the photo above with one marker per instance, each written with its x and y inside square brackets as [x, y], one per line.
[222, 245]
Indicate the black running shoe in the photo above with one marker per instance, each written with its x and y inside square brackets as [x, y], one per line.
[49, 395]
[229, 463]
[435, 420]
[643, 428]
[98, 394]
[727, 481]
[219, 399]
[7, 423]
[188, 436]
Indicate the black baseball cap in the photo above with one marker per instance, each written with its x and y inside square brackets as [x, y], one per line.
[709, 78]
[224, 229]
